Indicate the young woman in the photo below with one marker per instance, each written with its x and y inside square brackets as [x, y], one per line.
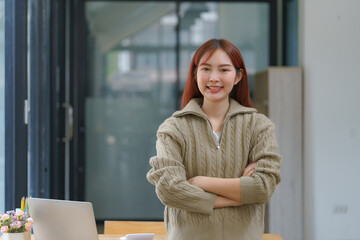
[217, 163]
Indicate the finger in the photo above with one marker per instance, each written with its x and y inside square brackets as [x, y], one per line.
[247, 171]
[250, 166]
[251, 173]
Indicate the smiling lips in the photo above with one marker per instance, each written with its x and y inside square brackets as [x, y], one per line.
[214, 89]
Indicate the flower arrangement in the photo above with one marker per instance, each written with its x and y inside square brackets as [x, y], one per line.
[15, 221]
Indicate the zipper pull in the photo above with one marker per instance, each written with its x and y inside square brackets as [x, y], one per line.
[218, 146]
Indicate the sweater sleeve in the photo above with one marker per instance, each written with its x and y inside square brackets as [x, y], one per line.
[168, 174]
[258, 188]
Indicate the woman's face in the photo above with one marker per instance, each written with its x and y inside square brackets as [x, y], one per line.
[216, 77]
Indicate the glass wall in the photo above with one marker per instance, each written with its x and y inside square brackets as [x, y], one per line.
[291, 32]
[132, 87]
[131, 83]
[38, 92]
[2, 105]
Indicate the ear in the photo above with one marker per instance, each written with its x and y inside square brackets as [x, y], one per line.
[239, 76]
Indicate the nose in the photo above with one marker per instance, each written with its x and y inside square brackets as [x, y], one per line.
[214, 76]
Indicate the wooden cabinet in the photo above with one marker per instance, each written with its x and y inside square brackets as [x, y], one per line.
[278, 93]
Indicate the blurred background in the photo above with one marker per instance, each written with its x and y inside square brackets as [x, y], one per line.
[85, 84]
[137, 70]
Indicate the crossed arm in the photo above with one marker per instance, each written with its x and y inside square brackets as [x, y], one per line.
[227, 189]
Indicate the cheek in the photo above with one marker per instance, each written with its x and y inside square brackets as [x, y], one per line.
[232, 79]
[200, 84]
[200, 78]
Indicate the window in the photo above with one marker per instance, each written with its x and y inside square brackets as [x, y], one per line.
[2, 106]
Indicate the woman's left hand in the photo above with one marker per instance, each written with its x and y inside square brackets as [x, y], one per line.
[249, 170]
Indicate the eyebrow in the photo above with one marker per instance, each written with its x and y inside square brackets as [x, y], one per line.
[221, 65]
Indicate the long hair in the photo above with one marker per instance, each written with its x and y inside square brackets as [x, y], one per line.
[240, 91]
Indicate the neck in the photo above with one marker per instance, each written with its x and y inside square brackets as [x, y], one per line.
[216, 110]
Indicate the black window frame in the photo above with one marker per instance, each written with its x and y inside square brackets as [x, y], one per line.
[39, 98]
[15, 95]
[27, 161]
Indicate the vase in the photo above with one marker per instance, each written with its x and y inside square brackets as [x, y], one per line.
[17, 236]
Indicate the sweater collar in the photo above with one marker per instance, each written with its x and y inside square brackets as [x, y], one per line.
[194, 107]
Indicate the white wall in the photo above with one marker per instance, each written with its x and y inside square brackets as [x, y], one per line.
[329, 51]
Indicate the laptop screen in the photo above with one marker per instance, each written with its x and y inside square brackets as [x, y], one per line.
[61, 219]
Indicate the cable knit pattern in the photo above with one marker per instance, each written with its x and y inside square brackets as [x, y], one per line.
[186, 147]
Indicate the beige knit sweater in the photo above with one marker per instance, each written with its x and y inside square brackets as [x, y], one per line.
[186, 147]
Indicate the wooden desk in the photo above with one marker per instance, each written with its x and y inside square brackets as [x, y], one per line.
[272, 237]
[117, 237]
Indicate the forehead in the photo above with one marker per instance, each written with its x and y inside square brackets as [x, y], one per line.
[219, 56]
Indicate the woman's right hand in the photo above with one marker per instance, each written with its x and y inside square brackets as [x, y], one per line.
[249, 169]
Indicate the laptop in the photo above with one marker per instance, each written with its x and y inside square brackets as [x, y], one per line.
[61, 219]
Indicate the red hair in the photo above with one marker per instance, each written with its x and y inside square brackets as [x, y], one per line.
[240, 92]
